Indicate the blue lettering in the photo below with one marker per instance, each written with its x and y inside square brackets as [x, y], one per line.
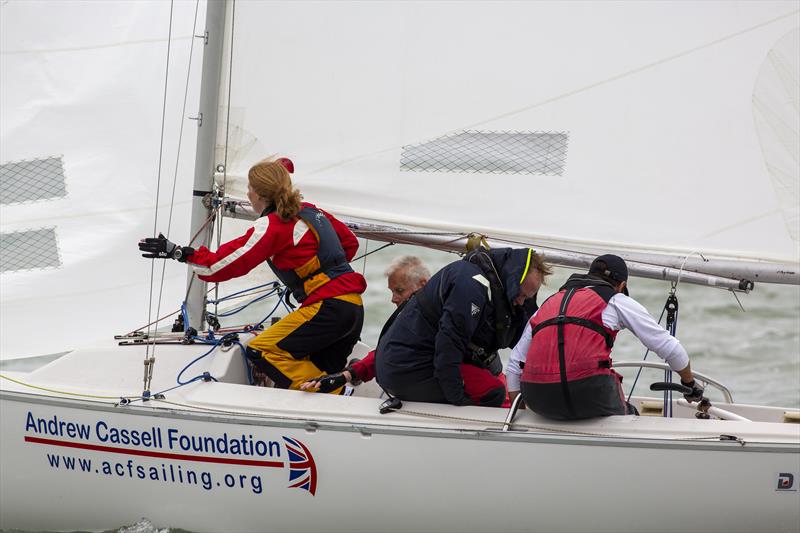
[255, 484]
[84, 430]
[30, 423]
[56, 427]
[172, 437]
[102, 436]
[274, 449]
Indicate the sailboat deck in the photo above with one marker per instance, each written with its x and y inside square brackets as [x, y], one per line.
[109, 373]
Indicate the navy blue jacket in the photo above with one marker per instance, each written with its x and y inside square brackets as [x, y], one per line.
[414, 349]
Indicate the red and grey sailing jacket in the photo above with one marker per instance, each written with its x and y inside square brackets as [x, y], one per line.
[309, 254]
[328, 263]
[568, 339]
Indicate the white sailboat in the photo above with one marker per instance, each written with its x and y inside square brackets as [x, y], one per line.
[665, 132]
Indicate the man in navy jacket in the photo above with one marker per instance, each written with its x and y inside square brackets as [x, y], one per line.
[467, 311]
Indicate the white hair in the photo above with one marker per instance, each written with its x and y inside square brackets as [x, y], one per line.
[413, 266]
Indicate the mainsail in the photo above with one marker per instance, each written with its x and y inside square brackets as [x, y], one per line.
[83, 91]
[664, 131]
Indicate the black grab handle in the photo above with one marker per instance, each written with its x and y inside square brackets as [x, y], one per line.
[675, 387]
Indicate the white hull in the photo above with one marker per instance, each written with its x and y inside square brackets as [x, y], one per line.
[372, 472]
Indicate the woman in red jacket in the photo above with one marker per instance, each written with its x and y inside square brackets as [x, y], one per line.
[309, 251]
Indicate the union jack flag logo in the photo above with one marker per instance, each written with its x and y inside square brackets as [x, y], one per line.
[302, 469]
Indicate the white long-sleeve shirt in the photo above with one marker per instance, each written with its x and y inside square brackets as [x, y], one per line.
[621, 312]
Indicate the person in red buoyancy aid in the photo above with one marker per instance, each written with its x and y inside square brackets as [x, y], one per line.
[564, 356]
[309, 251]
[405, 276]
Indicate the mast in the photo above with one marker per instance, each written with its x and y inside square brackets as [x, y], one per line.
[204, 158]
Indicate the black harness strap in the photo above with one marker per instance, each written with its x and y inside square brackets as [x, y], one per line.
[562, 364]
[560, 322]
[561, 319]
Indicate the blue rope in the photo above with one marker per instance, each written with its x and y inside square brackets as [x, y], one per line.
[204, 375]
[280, 300]
[244, 306]
[178, 379]
[185, 316]
[285, 305]
[275, 286]
[215, 342]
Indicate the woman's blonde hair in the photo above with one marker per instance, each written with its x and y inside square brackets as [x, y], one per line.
[271, 180]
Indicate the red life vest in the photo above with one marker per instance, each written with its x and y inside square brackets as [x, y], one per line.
[569, 341]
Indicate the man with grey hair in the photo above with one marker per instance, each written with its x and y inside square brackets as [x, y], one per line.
[405, 276]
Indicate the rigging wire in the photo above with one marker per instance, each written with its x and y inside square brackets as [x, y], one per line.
[178, 152]
[373, 251]
[182, 122]
[149, 361]
[671, 325]
[364, 256]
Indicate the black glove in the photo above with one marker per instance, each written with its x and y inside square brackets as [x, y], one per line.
[697, 391]
[353, 374]
[161, 248]
[330, 382]
[495, 365]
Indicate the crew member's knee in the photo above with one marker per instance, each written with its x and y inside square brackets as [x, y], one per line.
[264, 343]
[252, 354]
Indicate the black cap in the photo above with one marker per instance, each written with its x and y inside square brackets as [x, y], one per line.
[615, 269]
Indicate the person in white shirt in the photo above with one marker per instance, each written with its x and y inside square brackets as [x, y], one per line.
[562, 363]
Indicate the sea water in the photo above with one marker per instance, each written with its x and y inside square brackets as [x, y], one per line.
[750, 344]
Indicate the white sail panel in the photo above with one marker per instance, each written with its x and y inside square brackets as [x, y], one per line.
[656, 101]
[80, 107]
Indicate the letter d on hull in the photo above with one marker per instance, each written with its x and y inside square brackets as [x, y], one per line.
[785, 481]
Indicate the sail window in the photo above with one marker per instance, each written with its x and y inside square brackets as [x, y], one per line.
[495, 152]
[29, 250]
[32, 180]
